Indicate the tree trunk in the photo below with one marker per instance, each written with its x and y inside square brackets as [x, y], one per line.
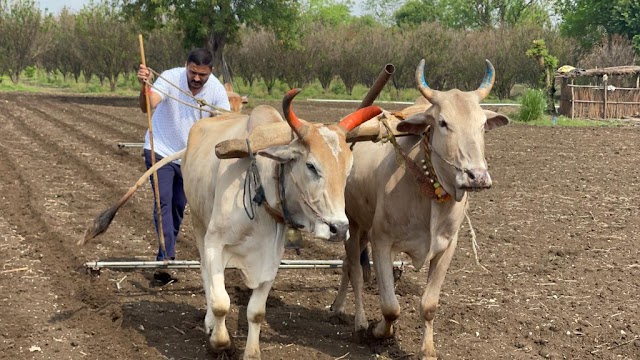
[15, 76]
[216, 44]
[112, 83]
[269, 84]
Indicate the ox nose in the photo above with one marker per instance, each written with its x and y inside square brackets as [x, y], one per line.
[477, 179]
[339, 231]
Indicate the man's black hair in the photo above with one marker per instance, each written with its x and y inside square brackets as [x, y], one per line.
[200, 56]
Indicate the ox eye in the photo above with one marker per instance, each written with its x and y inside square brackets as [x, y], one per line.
[312, 169]
[443, 124]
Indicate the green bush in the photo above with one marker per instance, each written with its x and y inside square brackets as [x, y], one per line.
[532, 105]
[29, 72]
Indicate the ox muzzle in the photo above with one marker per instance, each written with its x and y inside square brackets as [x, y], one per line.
[473, 179]
[333, 231]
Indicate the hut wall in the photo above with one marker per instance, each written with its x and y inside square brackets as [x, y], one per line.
[589, 102]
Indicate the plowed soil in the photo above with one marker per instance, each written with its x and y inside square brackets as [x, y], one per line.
[558, 235]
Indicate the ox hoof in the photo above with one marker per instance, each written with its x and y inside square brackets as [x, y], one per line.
[338, 318]
[377, 331]
[227, 354]
[220, 351]
[367, 337]
[362, 325]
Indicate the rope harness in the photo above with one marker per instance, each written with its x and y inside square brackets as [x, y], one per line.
[424, 174]
[201, 102]
[260, 199]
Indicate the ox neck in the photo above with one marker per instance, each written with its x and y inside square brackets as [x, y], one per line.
[423, 170]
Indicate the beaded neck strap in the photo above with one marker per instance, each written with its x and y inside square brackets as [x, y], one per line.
[424, 174]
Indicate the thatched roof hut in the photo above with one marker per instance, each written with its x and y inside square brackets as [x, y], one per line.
[607, 99]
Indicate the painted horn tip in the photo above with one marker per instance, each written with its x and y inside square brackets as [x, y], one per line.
[293, 92]
[489, 64]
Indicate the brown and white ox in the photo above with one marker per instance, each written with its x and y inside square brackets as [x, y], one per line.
[385, 206]
[303, 182]
[235, 100]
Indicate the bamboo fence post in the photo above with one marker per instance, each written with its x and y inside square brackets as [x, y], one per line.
[573, 100]
[605, 79]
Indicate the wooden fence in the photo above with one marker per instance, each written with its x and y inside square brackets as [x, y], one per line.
[598, 101]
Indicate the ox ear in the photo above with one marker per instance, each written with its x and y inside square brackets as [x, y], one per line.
[281, 154]
[494, 120]
[416, 124]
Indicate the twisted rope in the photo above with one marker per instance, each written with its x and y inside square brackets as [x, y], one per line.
[200, 102]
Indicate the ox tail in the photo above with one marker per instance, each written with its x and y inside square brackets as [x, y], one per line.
[365, 264]
[103, 220]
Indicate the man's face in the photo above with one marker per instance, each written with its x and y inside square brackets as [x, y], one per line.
[197, 75]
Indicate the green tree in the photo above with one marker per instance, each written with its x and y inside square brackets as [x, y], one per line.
[626, 21]
[548, 63]
[415, 12]
[108, 41]
[589, 20]
[24, 36]
[473, 14]
[382, 10]
[216, 23]
[327, 12]
[64, 53]
[163, 52]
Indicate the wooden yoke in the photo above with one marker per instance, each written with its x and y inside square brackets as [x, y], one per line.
[279, 133]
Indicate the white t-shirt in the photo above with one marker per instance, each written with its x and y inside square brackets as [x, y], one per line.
[172, 120]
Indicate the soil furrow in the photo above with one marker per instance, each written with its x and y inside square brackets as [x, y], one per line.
[77, 166]
[138, 127]
[92, 140]
[111, 127]
[81, 319]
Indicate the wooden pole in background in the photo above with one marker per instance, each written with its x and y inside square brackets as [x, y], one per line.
[573, 101]
[153, 158]
[605, 79]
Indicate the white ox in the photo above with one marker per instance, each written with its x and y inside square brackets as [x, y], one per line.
[304, 185]
[385, 204]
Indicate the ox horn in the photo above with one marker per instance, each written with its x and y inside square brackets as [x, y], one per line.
[358, 117]
[487, 82]
[297, 125]
[425, 90]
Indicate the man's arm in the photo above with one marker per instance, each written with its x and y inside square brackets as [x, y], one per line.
[154, 98]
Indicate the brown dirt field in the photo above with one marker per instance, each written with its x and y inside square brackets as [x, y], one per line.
[558, 233]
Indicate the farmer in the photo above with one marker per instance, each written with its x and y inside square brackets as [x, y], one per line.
[172, 121]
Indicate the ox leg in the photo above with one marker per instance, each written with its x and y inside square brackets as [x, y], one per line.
[429, 302]
[383, 266]
[352, 272]
[255, 316]
[218, 301]
[200, 232]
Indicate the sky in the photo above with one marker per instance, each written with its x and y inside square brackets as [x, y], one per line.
[55, 6]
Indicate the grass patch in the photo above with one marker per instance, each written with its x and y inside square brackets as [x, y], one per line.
[564, 121]
[533, 103]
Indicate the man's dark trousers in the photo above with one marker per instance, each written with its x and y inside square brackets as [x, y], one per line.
[172, 202]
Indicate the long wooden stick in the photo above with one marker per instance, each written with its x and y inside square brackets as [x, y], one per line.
[163, 249]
